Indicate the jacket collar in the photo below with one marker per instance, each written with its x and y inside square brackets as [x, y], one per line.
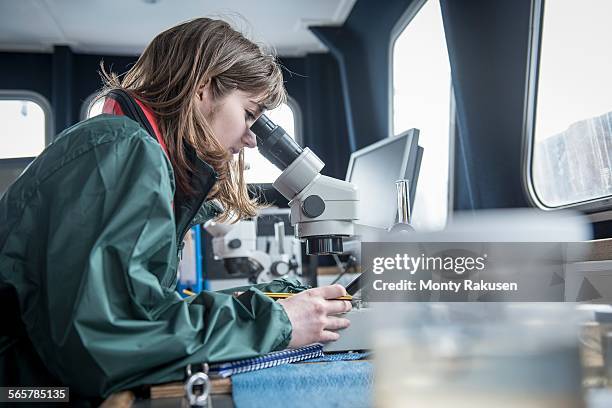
[203, 178]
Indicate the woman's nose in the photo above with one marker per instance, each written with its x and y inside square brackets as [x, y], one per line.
[249, 139]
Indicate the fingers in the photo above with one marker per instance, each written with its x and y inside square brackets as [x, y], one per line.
[333, 323]
[327, 336]
[312, 315]
[329, 292]
[337, 323]
[337, 306]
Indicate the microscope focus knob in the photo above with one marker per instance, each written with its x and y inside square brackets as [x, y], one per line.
[313, 206]
[234, 243]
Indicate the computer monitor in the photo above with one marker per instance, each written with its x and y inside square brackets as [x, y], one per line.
[375, 169]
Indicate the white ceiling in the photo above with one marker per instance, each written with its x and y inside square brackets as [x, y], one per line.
[125, 27]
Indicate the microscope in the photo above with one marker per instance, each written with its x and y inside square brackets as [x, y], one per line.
[236, 245]
[323, 209]
[322, 212]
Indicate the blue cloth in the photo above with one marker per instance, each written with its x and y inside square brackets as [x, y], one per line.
[333, 384]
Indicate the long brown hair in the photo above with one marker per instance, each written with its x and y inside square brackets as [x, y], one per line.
[167, 77]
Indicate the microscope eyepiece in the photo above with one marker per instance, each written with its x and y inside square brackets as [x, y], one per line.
[274, 143]
[263, 126]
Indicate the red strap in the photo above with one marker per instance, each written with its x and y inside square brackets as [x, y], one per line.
[153, 121]
[112, 107]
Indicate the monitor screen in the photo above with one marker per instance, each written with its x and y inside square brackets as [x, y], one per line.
[376, 168]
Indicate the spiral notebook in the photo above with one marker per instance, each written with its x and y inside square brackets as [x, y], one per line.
[269, 360]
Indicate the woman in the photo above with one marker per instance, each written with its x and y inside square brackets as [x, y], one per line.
[89, 233]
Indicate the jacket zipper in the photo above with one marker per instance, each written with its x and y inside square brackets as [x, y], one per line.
[181, 236]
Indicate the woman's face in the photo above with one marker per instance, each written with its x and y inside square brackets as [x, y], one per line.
[230, 117]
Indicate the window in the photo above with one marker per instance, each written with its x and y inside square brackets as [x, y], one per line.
[422, 99]
[89, 110]
[26, 124]
[570, 127]
[261, 170]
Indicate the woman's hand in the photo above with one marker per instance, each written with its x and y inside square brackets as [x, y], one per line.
[311, 315]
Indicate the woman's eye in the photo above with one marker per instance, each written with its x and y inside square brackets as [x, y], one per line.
[249, 115]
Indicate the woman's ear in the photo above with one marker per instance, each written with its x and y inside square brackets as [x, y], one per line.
[204, 91]
[203, 99]
[200, 92]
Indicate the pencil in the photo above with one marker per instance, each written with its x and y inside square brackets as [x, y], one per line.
[277, 295]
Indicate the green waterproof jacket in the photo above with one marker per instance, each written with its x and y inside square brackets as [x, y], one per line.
[88, 269]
